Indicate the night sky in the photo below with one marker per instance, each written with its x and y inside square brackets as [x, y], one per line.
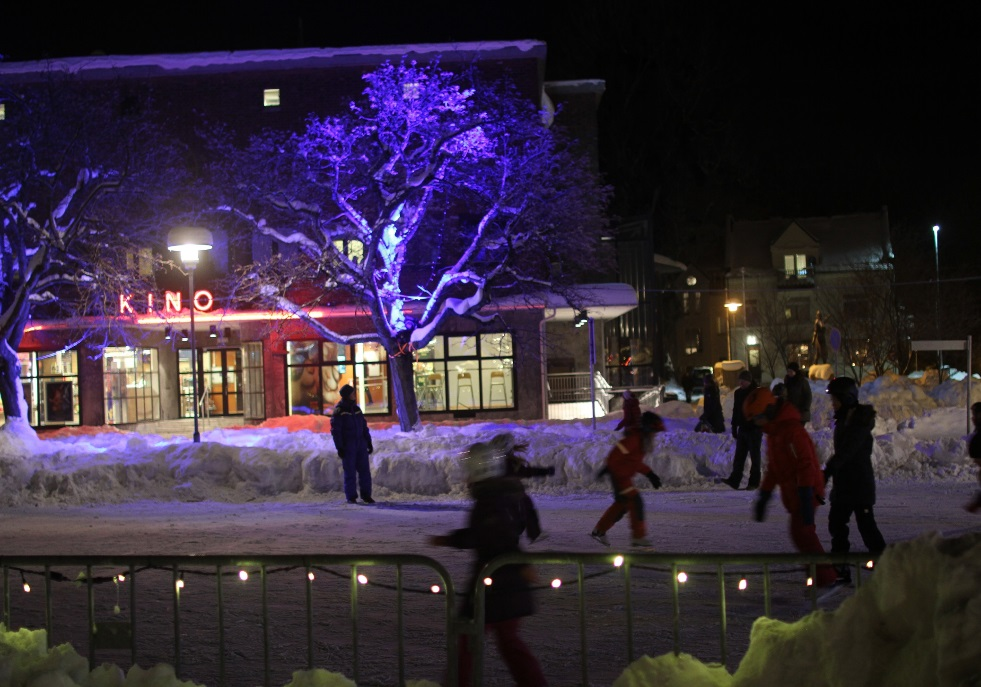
[813, 111]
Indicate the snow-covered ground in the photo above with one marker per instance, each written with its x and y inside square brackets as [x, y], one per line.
[914, 623]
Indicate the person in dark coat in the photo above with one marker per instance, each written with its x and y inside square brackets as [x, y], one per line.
[497, 519]
[688, 383]
[974, 451]
[712, 419]
[352, 440]
[748, 436]
[850, 470]
[517, 466]
[798, 391]
[631, 411]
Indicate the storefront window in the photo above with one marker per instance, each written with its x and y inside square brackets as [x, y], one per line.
[50, 383]
[476, 372]
[318, 369]
[131, 385]
[253, 385]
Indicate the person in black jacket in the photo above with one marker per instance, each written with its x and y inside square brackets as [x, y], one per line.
[974, 451]
[497, 519]
[797, 389]
[748, 436]
[850, 469]
[516, 466]
[712, 419]
[352, 440]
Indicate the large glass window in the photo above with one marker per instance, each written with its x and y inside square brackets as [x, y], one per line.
[465, 373]
[253, 385]
[50, 383]
[318, 369]
[131, 385]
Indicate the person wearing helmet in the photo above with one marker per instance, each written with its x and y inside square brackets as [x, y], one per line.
[624, 461]
[793, 466]
[496, 521]
[850, 470]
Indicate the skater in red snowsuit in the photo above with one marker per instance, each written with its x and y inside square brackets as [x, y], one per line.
[793, 466]
[626, 460]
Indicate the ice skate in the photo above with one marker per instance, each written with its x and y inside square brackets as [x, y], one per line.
[641, 542]
[600, 537]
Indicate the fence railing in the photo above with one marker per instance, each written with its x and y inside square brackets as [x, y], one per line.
[637, 575]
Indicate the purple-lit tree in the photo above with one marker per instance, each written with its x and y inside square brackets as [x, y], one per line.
[433, 195]
[70, 214]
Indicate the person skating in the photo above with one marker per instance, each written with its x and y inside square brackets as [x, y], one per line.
[496, 521]
[520, 468]
[631, 411]
[792, 465]
[352, 439]
[974, 451]
[624, 461]
[850, 471]
[749, 437]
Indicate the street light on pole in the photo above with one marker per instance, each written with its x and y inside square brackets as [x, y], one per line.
[189, 242]
[731, 307]
[936, 305]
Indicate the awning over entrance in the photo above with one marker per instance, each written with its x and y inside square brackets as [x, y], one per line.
[601, 301]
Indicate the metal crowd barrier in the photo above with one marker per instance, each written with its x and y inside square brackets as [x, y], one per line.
[663, 569]
[123, 635]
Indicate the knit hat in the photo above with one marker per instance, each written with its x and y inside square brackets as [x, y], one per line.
[347, 391]
[745, 376]
[793, 366]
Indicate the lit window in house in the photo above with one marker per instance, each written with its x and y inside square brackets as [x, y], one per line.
[270, 97]
[795, 265]
[3, 111]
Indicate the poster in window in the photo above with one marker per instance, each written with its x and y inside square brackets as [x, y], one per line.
[59, 401]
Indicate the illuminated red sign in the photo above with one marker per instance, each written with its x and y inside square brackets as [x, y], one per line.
[204, 301]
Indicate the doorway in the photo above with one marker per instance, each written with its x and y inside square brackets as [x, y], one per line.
[219, 382]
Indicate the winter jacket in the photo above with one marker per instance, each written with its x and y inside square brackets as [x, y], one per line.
[626, 459]
[712, 415]
[799, 393]
[850, 467]
[791, 459]
[497, 519]
[349, 429]
[974, 447]
[739, 420]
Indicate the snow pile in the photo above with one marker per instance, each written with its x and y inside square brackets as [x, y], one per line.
[921, 434]
[915, 622]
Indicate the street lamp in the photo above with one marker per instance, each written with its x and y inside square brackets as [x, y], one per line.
[731, 307]
[936, 304]
[189, 242]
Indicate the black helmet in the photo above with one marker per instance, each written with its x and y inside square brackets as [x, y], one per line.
[844, 389]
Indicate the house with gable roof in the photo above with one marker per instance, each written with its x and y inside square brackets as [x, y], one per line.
[783, 271]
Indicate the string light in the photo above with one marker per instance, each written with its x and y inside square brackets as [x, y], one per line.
[363, 579]
[617, 561]
[180, 582]
[870, 565]
[743, 584]
[810, 582]
[27, 587]
[119, 578]
[310, 576]
[556, 583]
[682, 577]
[242, 575]
[488, 581]
[434, 589]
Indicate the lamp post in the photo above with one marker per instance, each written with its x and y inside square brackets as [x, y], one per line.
[731, 307]
[189, 242]
[936, 304]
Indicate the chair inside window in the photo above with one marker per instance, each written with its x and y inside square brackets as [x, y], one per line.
[432, 393]
[465, 381]
[498, 389]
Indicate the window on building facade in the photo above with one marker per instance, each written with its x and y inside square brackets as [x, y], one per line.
[3, 111]
[797, 310]
[795, 265]
[131, 385]
[50, 383]
[253, 386]
[317, 370]
[752, 313]
[693, 341]
[270, 97]
[465, 373]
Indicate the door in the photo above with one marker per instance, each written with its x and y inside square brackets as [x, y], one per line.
[221, 372]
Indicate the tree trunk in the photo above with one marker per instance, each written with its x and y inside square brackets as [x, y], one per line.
[11, 392]
[404, 389]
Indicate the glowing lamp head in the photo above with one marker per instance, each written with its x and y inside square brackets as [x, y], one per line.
[733, 306]
[189, 242]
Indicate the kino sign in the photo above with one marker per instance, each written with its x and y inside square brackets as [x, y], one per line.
[203, 301]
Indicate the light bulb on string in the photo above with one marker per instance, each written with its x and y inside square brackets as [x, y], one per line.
[26, 587]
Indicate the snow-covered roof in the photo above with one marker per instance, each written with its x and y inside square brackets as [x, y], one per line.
[275, 59]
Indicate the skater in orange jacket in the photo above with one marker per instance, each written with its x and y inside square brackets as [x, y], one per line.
[793, 466]
[624, 461]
